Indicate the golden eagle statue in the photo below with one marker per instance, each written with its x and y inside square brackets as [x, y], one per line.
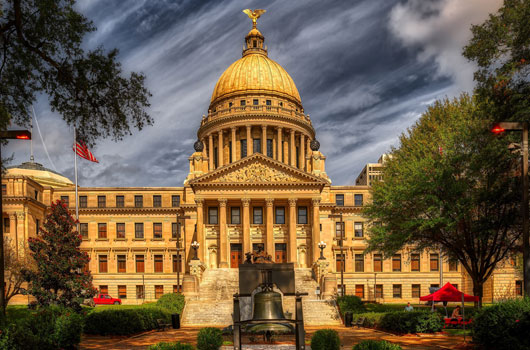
[254, 15]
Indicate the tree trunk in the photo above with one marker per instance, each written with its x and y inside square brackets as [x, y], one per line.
[478, 290]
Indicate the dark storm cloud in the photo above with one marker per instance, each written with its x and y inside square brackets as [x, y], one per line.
[365, 70]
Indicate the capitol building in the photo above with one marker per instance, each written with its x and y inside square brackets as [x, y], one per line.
[257, 180]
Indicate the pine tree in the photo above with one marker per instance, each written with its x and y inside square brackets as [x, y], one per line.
[59, 276]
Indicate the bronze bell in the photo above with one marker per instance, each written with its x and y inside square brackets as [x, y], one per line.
[268, 306]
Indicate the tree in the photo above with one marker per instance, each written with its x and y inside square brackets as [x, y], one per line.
[449, 185]
[60, 276]
[501, 48]
[41, 53]
[14, 266]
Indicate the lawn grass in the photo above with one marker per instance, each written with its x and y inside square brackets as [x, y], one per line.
[457, 331]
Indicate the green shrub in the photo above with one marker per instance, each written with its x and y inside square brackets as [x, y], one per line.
[376, 345]
[68, 330]
[173, 302]
[503, 325]
[325, 339]
[209, 339]
[171, 346]
[125, 321]
[371, 319]
[350, 303]
[411, 322]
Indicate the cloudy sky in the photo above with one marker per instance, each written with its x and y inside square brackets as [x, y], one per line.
[365, 71]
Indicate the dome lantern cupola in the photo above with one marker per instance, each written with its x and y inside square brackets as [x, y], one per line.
[254, 39]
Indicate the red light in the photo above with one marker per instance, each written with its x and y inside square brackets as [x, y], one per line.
[23, 137]
[497, 129]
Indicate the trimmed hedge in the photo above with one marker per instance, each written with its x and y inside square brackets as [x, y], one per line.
[325, 339]
[371, 319]
[503, 326]
[376, 345]
[411, 322]
[171, 346]
[350, 303]
[209, 338]
[173, 302]
[125, 321]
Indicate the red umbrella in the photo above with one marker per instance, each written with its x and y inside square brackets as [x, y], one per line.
[448, 293]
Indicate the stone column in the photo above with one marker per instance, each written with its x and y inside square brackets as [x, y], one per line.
[264, 140]
[279, 146]
[292, 150]
[302, 151]
[13, 231]
[210, 151]
[246, 225]
[292, 231]
[234, 146]
[269, 242]
[223, 249]
[21, 239]
[200, 227]
[249, 140]
[220, 149]
[315, 237]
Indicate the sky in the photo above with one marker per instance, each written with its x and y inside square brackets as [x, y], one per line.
[365, 70]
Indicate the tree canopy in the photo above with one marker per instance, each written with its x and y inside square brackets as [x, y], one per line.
[450, 184]
[41, 52]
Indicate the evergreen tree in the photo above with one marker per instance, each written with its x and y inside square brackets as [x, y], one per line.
[59, 276]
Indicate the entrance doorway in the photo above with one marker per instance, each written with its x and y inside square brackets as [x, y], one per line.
[280, 252]
[236, 255]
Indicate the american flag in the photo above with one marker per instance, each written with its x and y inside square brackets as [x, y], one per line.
[82, 151]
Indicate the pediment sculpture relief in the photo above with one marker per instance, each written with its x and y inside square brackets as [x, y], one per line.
[256, 172]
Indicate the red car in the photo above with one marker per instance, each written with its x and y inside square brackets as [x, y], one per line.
[105, 299]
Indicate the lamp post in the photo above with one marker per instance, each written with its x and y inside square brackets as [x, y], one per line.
[521, 126]
[195, 246]
[341, 245]
[179, 258]
[6, 135]
[322, 245]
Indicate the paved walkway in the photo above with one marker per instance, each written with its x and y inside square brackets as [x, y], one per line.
[349, 337]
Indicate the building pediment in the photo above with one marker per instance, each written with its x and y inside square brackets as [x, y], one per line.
[257, 170]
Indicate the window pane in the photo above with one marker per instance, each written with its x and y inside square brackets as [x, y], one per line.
[358, 227]
[212, 216]
[175, 201]
[434, 262]
[518, 287]
[103, 289]
[157, 201]
[140, 292]
[82, 201]
[269, 148]
[359, 290]
[177, 262]
[65, 200]
[157, 230]
[159, 291]
[453, 265]
[378, 290]
[138, 201]
[302, 215]
[120, 201]
[257, 145]
[359, 263]
[339, 262]
[102, 231]
[122, 264]
[396, 290]
[159, 263]
[243, 148]
[416, 290]
[358, 199]
[122, 292]
[120, 230]
[396, 262]
[103, 264]
[258, 215]
[280, 215]
[102, 201]
[140, 264]
[378, 263]
[83, 227]
[139, 230]
[415, 262]
[339, 200]
[235, 216]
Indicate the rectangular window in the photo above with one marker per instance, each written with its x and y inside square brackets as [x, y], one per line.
[268, 102]
[104, 289]
[36, 195]
[396, 291]
[177, 260]
[102, 201]
[139, 230]
[175, 201]
[396, 262]
[378, 263]
[159, 263]
[339, 230]
[379, 291]
[4, 190]
[434, 262]
[139, 201]
[235, 215]
[176, 289]
[157, 230]
[243, 148]
[257, 145]
[302, 215]
[157, 201]
[122, 292]
[359, 290]
[255, 102]
[213, 216]
[297, 157]
[159, 291]
[66, 200]
[120, 201]
[519, 288]
[83, 227]
[280, 215]
[358, 228]
[359, 263]
[339, 200]
[257, 215]
[453, 265]
[174, 228]
[103, 267]
[83, 202]
[339, 258]
[243, 103]
[269, 148]
[120, 230]
[140, 263]
[122, 264]
[230, 160]
[414, 262]
[102, 230]
[358, 200]
[140, 294]
[416, 290]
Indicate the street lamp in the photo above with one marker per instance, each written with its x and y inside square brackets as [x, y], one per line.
[322, 245]
[499, 128]
[195, 246]
[341, 245]
[6, 135]
[179, 258]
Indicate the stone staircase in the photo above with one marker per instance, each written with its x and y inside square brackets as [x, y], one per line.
[215, 303]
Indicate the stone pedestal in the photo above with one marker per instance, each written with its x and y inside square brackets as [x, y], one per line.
[329, 286]
[196, 269]
[320, 268]
[190, 287]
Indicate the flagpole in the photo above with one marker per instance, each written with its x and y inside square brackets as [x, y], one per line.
[75, 171]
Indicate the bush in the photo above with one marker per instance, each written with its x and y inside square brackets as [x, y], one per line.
[325, 339]
[376, 345]
[173, 302]
[411, 322]
[125, 321]
[371, 319]
[209, 339]
[171, 346]
[503, 325]
[68, 330]
[350, 303]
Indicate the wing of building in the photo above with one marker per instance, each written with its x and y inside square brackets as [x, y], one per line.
[257, 179]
